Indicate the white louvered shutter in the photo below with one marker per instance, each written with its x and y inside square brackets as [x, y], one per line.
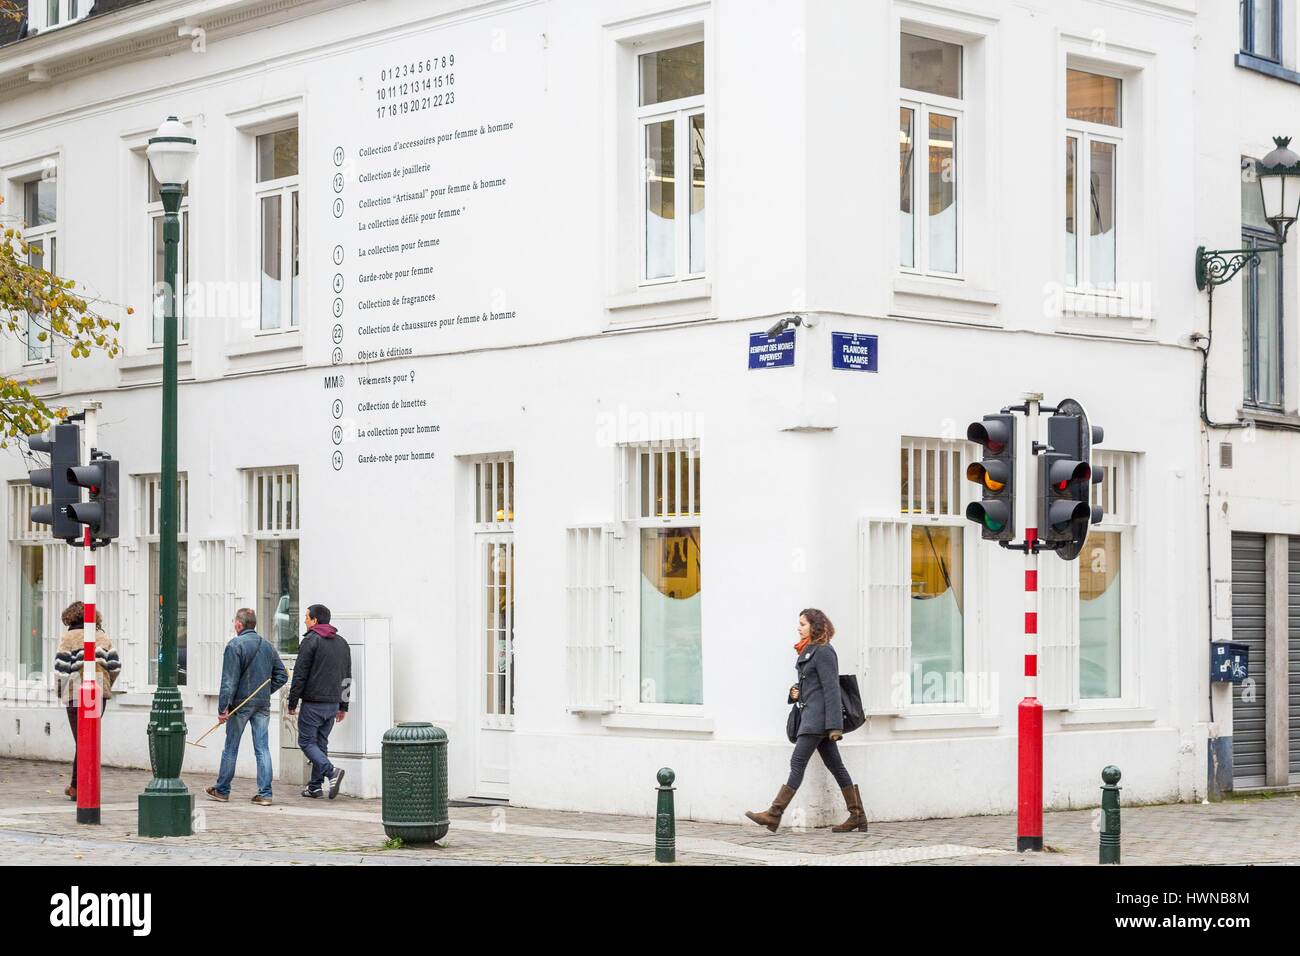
[590, 612]
[885, 587]
[1058, 631]
[212, 609]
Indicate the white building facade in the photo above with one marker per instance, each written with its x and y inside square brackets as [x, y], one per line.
[466, 357]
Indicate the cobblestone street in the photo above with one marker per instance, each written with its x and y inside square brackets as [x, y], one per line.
[38, 826]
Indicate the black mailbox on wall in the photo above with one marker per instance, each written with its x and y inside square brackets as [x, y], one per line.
[1229, 661]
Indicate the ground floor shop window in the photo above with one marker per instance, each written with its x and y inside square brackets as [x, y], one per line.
[1100, 616]
[498, 583]
[671, 645]
[277, 609]
[182, 612]
[31, 613]
[938, 628]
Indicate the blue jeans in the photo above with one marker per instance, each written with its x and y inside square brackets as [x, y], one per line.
[261, 720]
[315, 721]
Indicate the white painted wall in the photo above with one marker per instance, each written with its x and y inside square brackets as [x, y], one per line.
[802, 205]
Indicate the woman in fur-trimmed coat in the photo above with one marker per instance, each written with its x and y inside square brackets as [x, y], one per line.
[68, 660]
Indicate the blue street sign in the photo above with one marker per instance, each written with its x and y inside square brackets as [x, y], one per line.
[771, 353]
[858, 353]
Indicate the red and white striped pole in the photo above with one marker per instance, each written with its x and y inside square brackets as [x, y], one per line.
[88, 722]
[1029, 817]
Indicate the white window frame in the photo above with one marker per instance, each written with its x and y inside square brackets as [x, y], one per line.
[154, 212]
[148, 525]
[44, 234]
[69, 11]
[932, 515]
[493, 507]
[24, 533]
[287, 188]
[629, 574]
[922, 105]
[1120, 515]
[287, 527]
[680, 111]
[1085, 134]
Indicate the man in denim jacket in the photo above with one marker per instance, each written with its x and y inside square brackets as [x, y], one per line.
[249, 660]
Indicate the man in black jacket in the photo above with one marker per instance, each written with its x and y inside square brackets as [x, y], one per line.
[322, 681]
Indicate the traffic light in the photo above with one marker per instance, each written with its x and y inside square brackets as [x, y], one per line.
[64, 447]
[1066, 477]
[995, 473]
[100, 511]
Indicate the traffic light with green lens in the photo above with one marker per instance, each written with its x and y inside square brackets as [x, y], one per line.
[995, 473]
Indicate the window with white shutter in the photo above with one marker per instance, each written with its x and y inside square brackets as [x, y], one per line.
[885, 589]
[212, 570]
[1058, 631]
[940, 547]
[591, 619]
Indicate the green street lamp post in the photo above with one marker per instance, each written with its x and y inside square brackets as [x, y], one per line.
[166, 806]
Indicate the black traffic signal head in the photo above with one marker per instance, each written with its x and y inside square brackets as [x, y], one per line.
[100, 511]
[995, 473]
[1066, 477]
[63, 444]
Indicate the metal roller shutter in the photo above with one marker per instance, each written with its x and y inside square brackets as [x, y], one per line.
[1248, 628]
[1293, 652]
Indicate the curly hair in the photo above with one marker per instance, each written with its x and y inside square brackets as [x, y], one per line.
[819, 625]
[74, 617]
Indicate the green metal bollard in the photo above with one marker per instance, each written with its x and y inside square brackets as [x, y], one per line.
[665, 820]
[1109, 850]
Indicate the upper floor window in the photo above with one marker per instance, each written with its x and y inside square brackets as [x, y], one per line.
[155, 213]
[930, 120]
[1261, 29]
[47, 14]
[276, 192]
[670, 117]
[1261, 305]
[1094, 137]
[41, 221]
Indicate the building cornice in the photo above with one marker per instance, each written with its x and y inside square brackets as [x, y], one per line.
[136, 33]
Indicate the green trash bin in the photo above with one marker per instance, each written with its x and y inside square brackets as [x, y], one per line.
[415, 783]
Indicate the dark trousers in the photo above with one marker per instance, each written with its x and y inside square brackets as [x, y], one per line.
[804, 746]
[73, 710]
[315, 721]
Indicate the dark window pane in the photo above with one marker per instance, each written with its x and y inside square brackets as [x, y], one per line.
[672, 74]
[277, 155]
[931, 66]
[40, 201]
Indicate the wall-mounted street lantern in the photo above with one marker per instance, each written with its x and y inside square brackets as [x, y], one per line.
[1279, 186]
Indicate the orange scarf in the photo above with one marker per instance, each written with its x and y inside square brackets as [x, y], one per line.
[802, 645]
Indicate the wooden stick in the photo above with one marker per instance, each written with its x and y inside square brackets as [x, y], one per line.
[199, 742]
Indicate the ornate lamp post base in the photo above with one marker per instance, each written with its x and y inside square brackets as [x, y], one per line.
[166, 808]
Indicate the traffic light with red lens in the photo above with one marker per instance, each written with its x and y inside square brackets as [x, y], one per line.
[1066, 477]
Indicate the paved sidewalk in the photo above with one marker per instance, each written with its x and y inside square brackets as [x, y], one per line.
[38, 826]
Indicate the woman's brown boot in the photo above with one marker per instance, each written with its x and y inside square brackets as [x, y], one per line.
[70, 793]
[771, 818]
[857, 816]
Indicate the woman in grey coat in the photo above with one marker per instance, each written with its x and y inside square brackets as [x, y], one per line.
[821, 723]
